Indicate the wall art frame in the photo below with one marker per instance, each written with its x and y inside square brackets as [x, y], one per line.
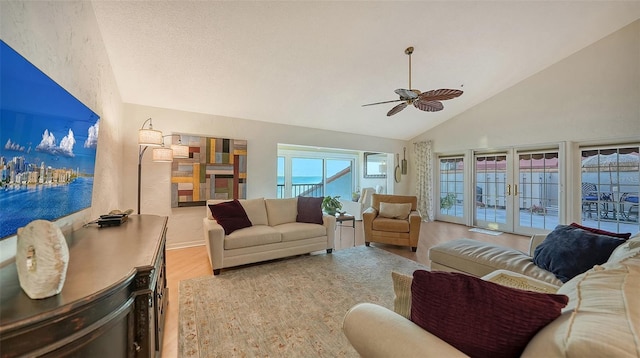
[216, 169]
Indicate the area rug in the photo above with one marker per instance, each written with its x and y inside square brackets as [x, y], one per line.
[288, 308]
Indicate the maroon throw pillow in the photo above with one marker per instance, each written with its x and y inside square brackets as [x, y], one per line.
[624, 236]
[230, 215]
[309, 210]
[480, 318]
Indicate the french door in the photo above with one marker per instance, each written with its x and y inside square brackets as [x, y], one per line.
[517, 190]
[493, 190]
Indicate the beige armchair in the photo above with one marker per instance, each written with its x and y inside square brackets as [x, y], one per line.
[388, 230]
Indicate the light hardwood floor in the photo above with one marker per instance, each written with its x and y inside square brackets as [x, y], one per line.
[192, 262]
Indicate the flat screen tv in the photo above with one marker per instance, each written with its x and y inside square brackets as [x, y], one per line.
[48, 142]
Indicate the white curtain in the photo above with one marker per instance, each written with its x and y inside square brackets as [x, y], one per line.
[424, 179]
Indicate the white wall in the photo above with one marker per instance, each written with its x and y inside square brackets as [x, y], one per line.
[592, 95]
[63, 40]
[185, 224]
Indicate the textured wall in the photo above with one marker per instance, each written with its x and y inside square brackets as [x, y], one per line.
[63, 40]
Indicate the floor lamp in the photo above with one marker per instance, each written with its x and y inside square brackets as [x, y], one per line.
[149, 137]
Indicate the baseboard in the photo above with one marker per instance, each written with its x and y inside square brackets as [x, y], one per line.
[184, 245]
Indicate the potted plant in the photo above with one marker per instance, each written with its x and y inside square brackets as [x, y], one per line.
[331, 205]
[446, 202]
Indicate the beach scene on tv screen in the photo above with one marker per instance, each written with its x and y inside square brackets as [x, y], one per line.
[48, 142]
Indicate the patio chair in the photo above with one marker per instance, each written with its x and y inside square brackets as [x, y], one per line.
[629, 200]
[589, 199]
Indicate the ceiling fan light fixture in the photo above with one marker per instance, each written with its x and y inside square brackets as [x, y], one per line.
[426, 101]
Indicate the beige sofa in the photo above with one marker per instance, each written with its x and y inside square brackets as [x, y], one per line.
[602, 319]
[274, 234]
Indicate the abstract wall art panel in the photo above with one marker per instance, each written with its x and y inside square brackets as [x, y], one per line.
[216, 169]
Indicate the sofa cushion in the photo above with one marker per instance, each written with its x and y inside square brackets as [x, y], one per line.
[255, 210]
[480, 318]
[402, 294]
[309, 210]
[281, 211]
[623, 236]
[230, 215]
[481, 258]
[628, 249]
[391, 225]
[569, 251]
[602, 318]
[299, 231]
[252, 236]
[395, 210]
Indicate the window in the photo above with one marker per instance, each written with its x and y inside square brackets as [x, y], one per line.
[525, 190]
[491, 189]
[538, 190]
[452, 186]
[610, 186]
[304, 171]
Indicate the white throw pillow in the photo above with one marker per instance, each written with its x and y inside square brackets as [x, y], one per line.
[395, 210]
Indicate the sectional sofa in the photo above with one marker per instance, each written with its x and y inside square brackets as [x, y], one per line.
[601, 319]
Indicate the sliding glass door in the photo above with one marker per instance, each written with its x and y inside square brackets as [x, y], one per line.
[307, 173]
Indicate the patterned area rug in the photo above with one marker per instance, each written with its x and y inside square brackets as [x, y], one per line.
[288, 308]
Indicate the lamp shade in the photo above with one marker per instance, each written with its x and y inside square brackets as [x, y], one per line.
[150, 137]
[162, 154]
[180, 151]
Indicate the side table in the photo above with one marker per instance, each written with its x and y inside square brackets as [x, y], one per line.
[341, 219]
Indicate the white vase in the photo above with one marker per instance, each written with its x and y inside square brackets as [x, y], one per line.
[42, 258]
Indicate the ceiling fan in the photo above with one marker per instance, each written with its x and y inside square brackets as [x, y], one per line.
[427, 101]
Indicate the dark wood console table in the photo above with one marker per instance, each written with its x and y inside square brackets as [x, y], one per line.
[112, 304]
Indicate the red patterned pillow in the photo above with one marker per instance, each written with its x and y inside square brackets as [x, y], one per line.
[624, 236]
[230, 215]
[480, 318]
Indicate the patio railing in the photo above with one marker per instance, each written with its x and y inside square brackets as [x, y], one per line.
[302, 190]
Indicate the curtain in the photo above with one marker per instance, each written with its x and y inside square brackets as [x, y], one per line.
[423, 163]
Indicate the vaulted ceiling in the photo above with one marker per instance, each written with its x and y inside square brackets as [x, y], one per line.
[314, 63]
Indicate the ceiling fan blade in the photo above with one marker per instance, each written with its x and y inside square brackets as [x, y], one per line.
[428, 106]
[406, 94]
[397, 109]
[371, 104]
[440, 94]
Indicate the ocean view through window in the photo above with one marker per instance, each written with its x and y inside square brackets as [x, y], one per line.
[315, 173]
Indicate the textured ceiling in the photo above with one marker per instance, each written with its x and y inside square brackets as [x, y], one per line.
[314, 64]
